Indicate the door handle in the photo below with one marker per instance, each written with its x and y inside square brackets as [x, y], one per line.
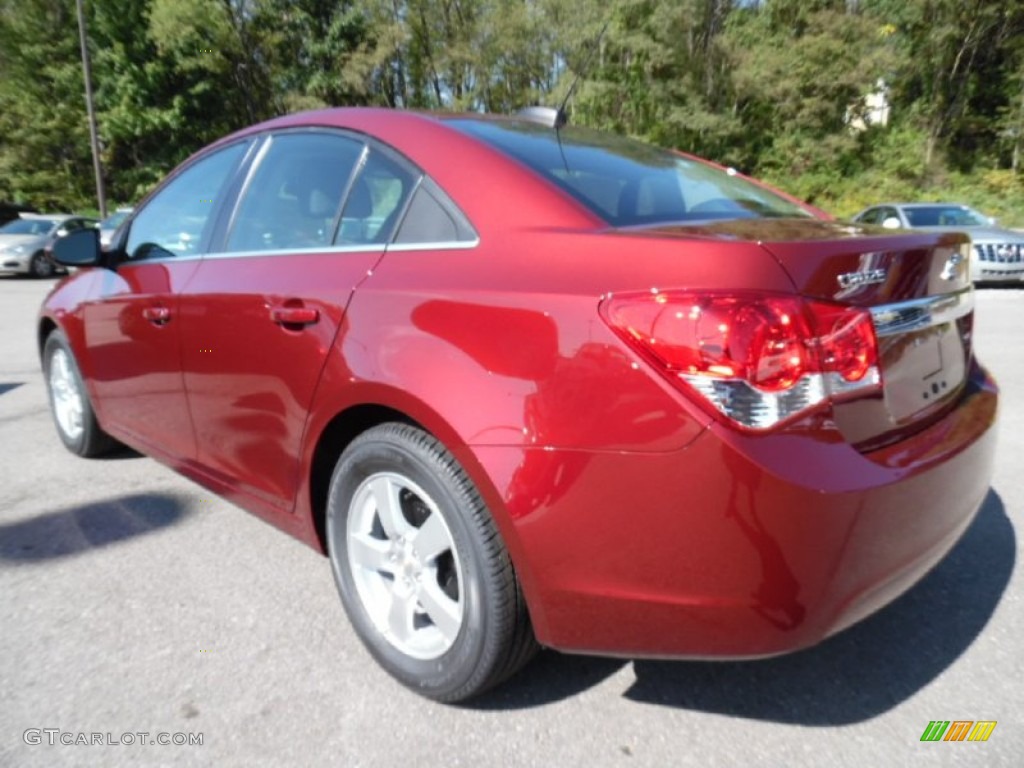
[157, 315]
[294, 315]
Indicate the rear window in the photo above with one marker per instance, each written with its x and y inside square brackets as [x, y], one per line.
[626, 182]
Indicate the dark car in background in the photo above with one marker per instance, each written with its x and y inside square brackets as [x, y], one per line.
[998, 253]
[529, 384]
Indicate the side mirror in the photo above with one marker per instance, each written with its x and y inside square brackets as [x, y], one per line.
[80, 248]
[891, 223]
[992, 221]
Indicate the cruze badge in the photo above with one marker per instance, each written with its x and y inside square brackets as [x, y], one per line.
[857, 279]
[952, 269]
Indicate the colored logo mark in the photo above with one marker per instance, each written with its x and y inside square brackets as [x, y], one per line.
[958, 730]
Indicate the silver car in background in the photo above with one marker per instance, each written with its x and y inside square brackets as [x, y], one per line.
[998, 252]
[25, 241]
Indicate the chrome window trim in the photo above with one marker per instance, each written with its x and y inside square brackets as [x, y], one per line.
[158, 260]
[328, 251]
[445, 245]
[324, 249]
[921, 314]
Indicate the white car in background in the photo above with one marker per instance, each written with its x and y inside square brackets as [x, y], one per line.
[25, 241]
[998, 252]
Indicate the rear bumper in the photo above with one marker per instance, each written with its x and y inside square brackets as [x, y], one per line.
[737, 546]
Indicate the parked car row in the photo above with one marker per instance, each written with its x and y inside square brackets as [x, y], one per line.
[998, 252]
[25, 242]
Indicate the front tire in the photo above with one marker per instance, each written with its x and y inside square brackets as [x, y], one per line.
[41, 266]
[70, 407]
[423, 574]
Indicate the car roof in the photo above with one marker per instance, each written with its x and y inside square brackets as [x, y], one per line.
[426, 140]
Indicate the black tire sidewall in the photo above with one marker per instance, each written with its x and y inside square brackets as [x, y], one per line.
[441, 678]
[40, 258]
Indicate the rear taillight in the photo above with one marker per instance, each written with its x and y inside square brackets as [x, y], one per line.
[757, 359]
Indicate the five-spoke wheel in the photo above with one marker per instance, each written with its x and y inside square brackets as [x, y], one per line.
[405, 565]
[422, 572]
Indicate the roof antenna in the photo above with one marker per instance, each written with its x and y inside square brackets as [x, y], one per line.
[561, 118]
[557, 118]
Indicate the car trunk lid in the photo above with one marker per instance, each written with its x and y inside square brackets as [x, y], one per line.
[918, 291]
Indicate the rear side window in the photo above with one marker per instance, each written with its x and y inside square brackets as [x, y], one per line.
[433, 218]
[626, 182]
[292, 198]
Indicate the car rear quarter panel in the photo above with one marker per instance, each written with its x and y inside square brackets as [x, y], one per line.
[738, 545]
[501, 346]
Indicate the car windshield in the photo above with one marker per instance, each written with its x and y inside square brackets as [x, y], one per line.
[28, 227]
[626, 182]
[113, 221]
[944, 216]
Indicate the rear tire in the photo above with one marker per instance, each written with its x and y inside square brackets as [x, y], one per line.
[423, 573]
[70, 407]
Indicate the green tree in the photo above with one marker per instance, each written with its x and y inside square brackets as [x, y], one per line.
[44, 133]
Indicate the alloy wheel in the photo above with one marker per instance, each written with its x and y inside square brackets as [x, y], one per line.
[67, 395]
[405, 565]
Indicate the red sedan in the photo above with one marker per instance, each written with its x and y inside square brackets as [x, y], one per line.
[535, 385]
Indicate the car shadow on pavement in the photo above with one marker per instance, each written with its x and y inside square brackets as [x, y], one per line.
[121, 451]
[856, 675]
[871, 667]
[78, 529]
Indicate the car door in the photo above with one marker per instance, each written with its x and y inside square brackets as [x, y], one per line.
[260, 316]
[133, 330]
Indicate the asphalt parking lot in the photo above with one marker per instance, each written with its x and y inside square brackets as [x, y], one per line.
[132, 601]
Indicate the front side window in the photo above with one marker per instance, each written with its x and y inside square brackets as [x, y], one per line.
[292, 199]
[74, 224]
[873, 216]
[626, 182]
[175, 220]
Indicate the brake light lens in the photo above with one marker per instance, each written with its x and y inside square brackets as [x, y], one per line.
[756, 359]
